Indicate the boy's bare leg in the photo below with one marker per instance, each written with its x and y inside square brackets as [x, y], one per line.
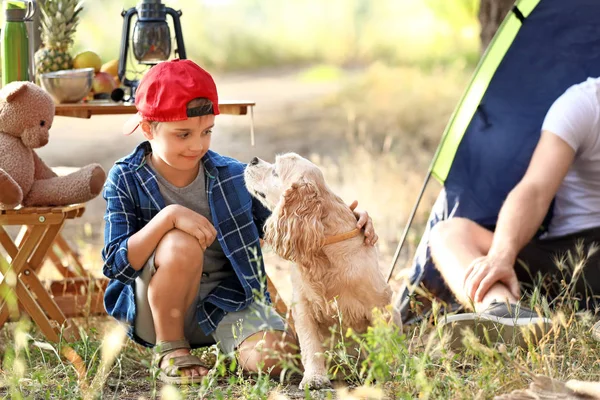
[264, 350]
[455, 244]
[171, 291]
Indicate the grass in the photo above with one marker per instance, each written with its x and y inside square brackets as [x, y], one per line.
[414, 363]
[391, 120]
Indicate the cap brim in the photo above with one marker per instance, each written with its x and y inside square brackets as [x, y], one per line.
[132, 124]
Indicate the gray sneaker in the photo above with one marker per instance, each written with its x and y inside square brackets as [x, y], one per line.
[500, 322]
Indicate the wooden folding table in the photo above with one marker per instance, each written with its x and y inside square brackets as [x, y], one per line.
[109, 107]
[87, 109]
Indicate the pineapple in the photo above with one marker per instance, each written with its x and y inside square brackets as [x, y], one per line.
[59, 21]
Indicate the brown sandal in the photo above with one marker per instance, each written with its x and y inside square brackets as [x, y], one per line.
[171, 373]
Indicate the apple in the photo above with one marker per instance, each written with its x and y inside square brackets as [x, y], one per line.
[103, 83]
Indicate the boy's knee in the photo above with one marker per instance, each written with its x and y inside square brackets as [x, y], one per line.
[179, 250]
[267, 351]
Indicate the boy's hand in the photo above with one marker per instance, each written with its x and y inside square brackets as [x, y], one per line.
[193, 224]
[365, 221]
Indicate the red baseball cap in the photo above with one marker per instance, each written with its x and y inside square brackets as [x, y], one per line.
[165, 90]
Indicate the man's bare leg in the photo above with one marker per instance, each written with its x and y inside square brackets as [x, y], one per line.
[455, 244]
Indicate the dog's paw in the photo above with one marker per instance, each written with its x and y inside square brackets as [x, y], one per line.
[315, 382]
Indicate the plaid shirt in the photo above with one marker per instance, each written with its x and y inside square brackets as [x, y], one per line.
[133, 198]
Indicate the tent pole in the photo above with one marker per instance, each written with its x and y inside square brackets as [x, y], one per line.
[407, 226]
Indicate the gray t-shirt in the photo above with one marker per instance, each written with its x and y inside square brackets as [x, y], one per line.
[194, 197]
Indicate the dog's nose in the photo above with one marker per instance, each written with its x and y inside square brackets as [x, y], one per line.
[254, 161]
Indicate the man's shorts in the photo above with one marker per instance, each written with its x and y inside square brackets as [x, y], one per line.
[233, 329]
[556, 262]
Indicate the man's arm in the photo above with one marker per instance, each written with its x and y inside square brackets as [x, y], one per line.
[528, 203]
[567, 129]
[520, 217]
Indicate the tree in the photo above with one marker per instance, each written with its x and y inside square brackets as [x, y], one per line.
[491, 15]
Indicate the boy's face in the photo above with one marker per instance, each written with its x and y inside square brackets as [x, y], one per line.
[180, 144]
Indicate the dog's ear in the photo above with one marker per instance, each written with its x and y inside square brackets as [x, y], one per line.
[295, 230]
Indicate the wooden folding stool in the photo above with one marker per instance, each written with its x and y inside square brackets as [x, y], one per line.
[27, 254]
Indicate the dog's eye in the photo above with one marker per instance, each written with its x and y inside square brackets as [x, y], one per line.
[274, 173]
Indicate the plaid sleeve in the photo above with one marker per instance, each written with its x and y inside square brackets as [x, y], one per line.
[121, 223]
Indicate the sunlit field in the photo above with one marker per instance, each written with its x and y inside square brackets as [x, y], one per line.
[362, 88]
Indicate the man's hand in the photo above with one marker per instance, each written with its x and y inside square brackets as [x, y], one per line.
[363, 220]
[193, 224]
[484, 272]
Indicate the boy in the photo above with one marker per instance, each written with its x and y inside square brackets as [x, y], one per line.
[171, 281]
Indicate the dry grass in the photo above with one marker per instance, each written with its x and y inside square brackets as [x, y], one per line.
[393, 119]
[410, 364]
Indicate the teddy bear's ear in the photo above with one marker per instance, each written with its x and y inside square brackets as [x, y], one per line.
[11, 91]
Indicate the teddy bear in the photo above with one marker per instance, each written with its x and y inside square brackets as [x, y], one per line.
[26, 115]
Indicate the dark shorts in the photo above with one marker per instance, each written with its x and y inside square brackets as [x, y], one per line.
[566, 267]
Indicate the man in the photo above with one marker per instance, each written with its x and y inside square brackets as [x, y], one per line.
[486, 270]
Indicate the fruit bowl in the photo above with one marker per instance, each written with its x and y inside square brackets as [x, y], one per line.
[69, 85]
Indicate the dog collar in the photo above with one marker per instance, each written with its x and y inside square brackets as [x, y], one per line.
[341, 237]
